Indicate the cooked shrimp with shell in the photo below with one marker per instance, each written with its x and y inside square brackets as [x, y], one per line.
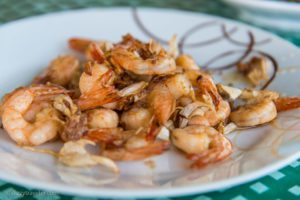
[135, 100]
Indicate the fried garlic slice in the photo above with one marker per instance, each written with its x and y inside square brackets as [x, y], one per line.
[74, 154]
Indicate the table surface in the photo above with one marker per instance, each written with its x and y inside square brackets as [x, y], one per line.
[282, 184]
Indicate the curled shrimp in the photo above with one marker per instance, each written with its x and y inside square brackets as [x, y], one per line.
[218, 109]
[61, 71]
[143, 59]
[202, 144]
[46, 123]
[209, 116]
[97, 88]
[128, 145]
[254, 114]
[137, 148]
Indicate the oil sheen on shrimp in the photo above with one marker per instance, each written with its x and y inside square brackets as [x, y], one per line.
[202, 144]
[254, 114]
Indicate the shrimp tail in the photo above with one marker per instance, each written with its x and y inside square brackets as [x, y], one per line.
[287, 103]
[79, 44]
[96, 53]
[41, 78]
[46, 92]
[207, 87]
[162, 103]
[97, 98]
[152, 149]
[153, 131]
[104, 135]
[100, 94]
[220, 150]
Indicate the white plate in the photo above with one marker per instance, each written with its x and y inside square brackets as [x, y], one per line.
[28, 45]
[276, 14]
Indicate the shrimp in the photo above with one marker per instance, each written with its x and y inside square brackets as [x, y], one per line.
[218, 110]
[95, 75]
[46, 124]
[97, 98]
[96, 51]
[152, 149]
[143, 59]
[208, 90]
[254, 114]
[135, 118]
[96, 87]
[108, 136]
[137, 148]
[211, 117]
[202, 144]
[79, 44]
[180, 86]
[61, 71]
[102, 118]
[162, 103]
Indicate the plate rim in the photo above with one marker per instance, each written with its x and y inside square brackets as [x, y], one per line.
[158, 192]
[272, 6]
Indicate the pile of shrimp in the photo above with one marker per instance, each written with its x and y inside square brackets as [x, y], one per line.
[134, 100]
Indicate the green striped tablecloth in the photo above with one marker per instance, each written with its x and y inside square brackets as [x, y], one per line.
[282, 184]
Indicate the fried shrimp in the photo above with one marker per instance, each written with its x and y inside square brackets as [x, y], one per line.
[202, 144]
[218, 109]
[61, 71]
[207, 90]
[96, 87]
[95, 75]
[134, 99]
[46, 124]
[142, 150]
[108, 136]
[254, 114]
[102, 118]
[143, 59]
[211, 117]
[136, 118]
